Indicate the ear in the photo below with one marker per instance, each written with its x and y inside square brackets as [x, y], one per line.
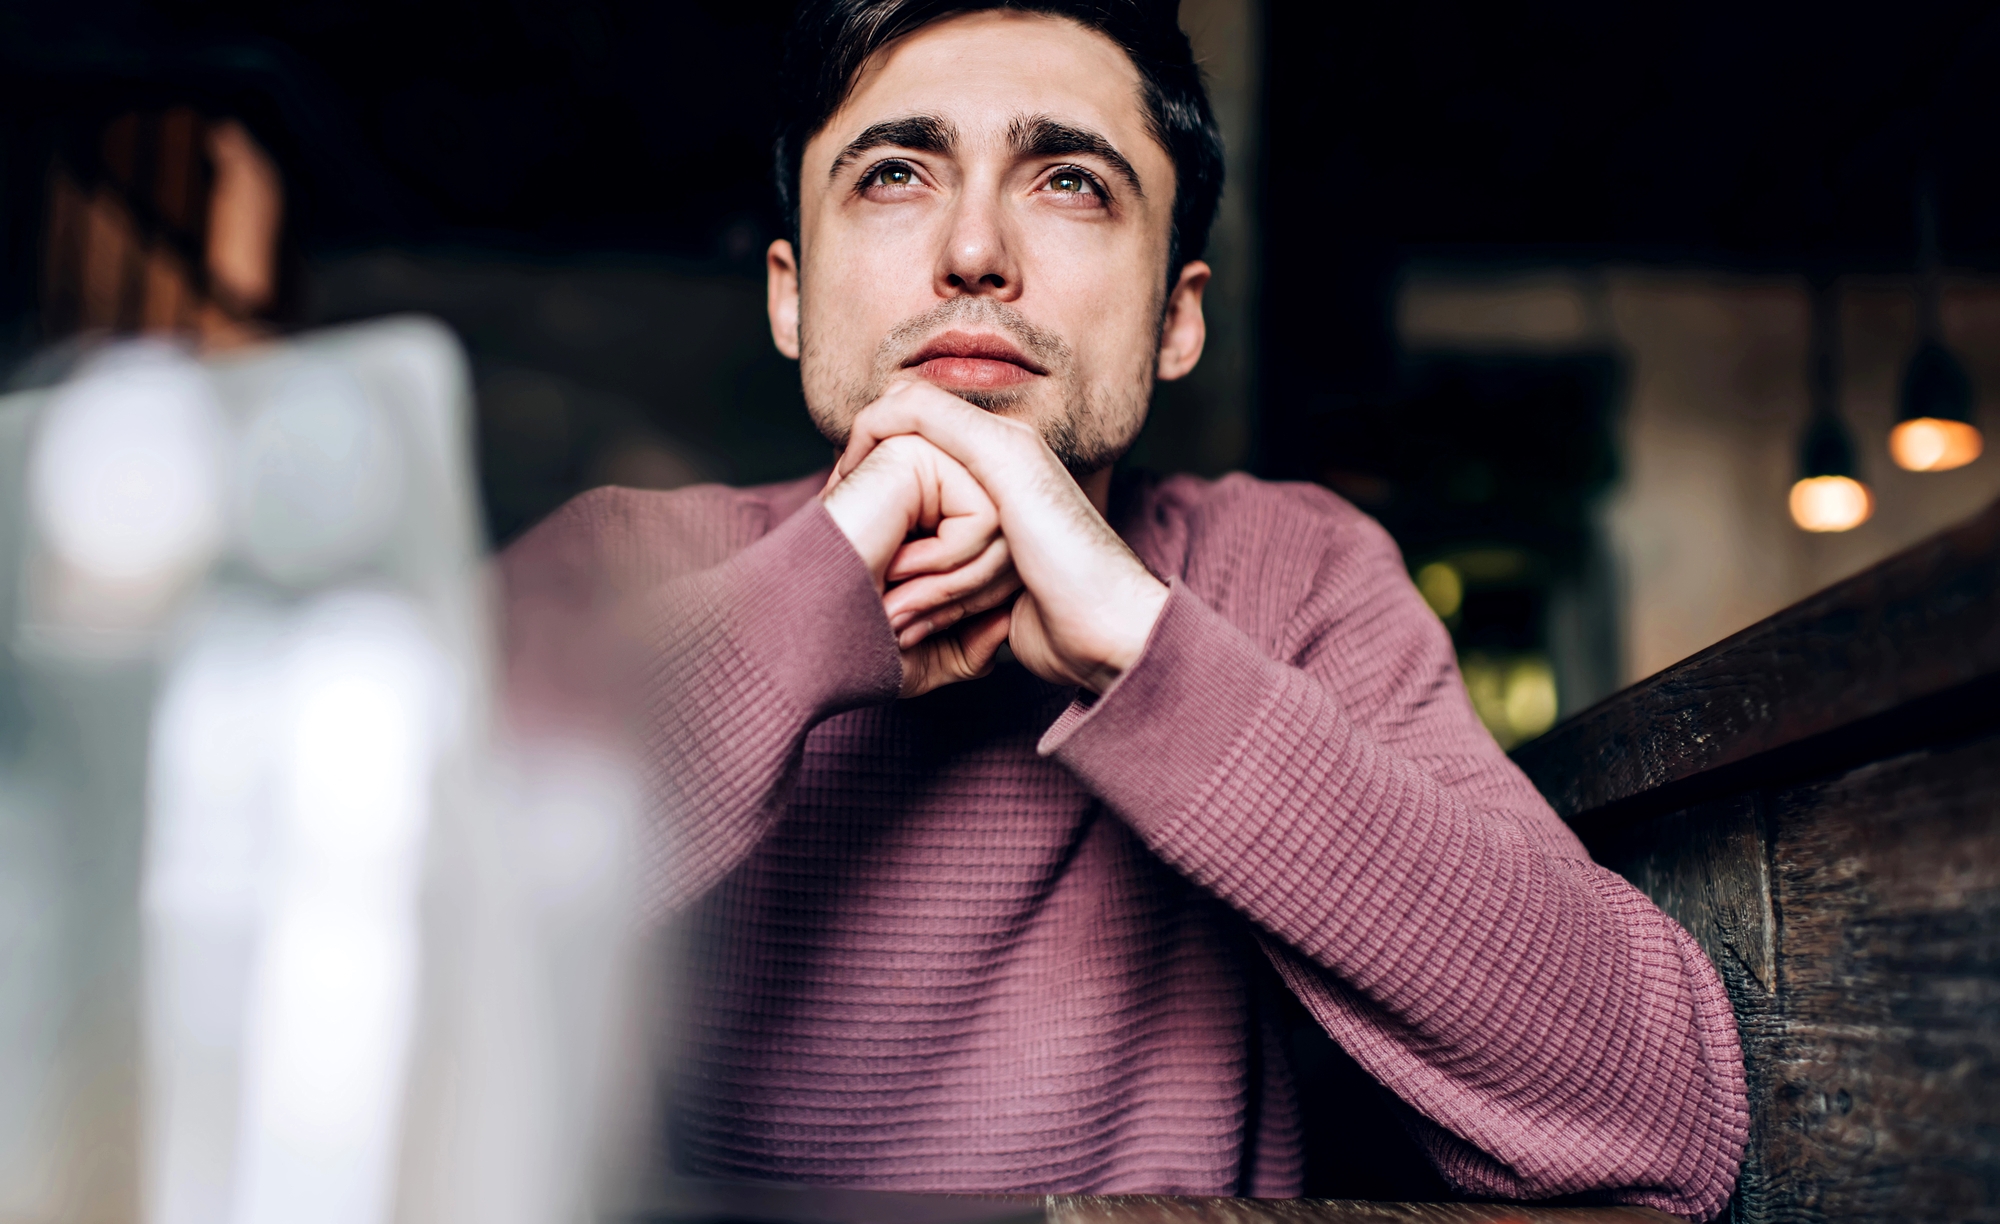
[1183, 331]
[781, 297]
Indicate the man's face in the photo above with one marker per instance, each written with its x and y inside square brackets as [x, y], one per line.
[990, 212]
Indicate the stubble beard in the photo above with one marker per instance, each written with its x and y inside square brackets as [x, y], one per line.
[1094, 427]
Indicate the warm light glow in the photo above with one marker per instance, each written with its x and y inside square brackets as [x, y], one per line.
[1441, 588]
[1515, 697]
[1531, 697]
[1928, 444]
[1831, 503]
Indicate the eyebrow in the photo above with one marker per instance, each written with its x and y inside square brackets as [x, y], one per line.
[1041, 136]
[1030, 136]
[918, 133]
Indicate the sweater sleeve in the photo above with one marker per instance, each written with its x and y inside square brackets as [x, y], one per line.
[715, 674]
[1553, 1031]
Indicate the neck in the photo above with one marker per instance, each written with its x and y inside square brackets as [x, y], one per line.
[1097, 487]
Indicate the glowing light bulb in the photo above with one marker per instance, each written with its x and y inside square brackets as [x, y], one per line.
[1831, 503]
[1931, 444]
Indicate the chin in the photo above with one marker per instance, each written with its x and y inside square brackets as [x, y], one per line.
[1000, 403]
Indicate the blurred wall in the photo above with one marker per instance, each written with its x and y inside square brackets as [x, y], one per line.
[1710, 431]
[1207, 421]
[653, 371]
[634, 370]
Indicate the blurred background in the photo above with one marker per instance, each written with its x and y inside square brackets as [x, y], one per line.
[1599, 308]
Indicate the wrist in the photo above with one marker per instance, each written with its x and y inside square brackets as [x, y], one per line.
[1132, 629]
[865, 512]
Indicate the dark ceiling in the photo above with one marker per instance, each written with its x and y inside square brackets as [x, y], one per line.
[1770, 133]
[1773, 135]
[569, 124]
[1752, 134]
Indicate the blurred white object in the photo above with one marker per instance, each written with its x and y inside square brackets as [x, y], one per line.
[215, 737]
[306, 910]
[333, 999]
[382, 957]
[320, 478]
[127, 473]
[125, 489]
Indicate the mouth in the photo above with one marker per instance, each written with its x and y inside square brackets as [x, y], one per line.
[973, 361]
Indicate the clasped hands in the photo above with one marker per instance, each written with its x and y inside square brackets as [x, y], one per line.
[978, 536]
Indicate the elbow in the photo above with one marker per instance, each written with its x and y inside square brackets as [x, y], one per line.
[1671, 1138]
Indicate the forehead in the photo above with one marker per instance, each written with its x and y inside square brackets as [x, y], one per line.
[982, 70]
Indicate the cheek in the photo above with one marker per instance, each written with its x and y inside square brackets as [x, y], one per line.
[872, 274]
[1102, 292]
[857, 283]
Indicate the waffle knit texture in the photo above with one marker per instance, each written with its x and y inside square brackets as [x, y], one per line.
[1002, 937]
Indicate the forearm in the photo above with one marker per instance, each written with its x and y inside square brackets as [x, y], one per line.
[714, 677]
[1522, 999]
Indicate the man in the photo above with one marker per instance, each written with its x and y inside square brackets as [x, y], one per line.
[965, 924]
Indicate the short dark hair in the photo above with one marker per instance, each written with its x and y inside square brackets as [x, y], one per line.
[830, 40]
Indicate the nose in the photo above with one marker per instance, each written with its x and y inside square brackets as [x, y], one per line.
[978, 257]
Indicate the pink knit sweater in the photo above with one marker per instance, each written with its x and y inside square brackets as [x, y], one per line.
[999, 938]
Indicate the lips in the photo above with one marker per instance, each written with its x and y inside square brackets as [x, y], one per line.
[973, 361]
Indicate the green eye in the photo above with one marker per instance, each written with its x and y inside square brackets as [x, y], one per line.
[1069, 182]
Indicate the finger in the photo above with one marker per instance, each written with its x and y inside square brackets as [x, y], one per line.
[862, 437]
[950, 658]
[932, 590]
[964, 521]
[863, 441]
[1028, 637]
[970, 435]
[877, 504]
[908, 483]
[917, 626]
[977, 549]
[965, 533]
[981, 637]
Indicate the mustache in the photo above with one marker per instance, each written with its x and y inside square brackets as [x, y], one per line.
[1048, 349]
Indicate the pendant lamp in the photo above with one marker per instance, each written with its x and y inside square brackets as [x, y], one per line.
[1934, 429]
[1829, 494]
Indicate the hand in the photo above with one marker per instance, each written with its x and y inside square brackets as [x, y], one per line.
[947, 590]
[1090, 603]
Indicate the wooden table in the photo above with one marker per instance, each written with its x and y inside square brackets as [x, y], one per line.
[703, 1202]
[1817, 799]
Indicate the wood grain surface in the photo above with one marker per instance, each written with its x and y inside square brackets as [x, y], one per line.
[1160, 1209]
[1708, 868]
[1817, 800]
[1883, 1066]
[1919, 625]
[698, 1201]
[1872, 1044]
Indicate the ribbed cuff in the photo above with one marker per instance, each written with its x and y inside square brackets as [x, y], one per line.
[803, 607]
[1153, 743]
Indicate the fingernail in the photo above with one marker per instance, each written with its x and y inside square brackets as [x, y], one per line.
[900, 619]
